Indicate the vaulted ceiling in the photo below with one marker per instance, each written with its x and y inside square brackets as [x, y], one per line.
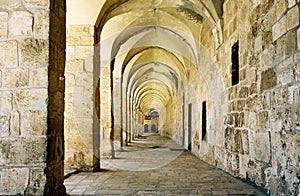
[153, 45]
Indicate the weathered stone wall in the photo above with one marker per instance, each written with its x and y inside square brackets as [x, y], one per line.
[261, 128]
[31, 95]
[80, 113]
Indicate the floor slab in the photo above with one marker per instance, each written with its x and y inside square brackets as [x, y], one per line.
[155, 165]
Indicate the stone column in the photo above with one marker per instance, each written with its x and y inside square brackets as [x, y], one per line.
[56, 92]
[32, 97]
[80, 112]
[106, 147]
[117, 114]
[124, 116]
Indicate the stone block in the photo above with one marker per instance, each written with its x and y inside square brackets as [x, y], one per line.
[244, 160]
[281, 7]
[33, 123]
[266, 58]
[233, 163]
[14, 78]
[11, 4]
[293, 18]
[35, 99]
[263, 120]
[37, 181]
[250, 119]
[240, 105]
[83, 52]
[39, 77]
[89, 64]
[285, 65]
[279, 28]
[291, 3]
[5, 124]
[15, 124]
[241, 120]
[78, 94]
[271, 16]
[9, 151]
[23, 151]
[228, 138]
[276, 123]
[34, 150]
[91, 30]
[237, 141]
[70, 52]
[87, 41]
[243, 74]
[244, 92]
[258, 44]
[83, 109]
[41, 23]
[74, 66]
[278, 97]
[70, 80]
[279, 49]
[5, 100]
[35, 52]
[84, 79]
[79, 30]
[261, 147]
[293, 94]
[285, 77]
[8, 54]
[268, 79]
[3, 24]
[37, 3]
[73, 40]
[266, 101]
[290, 43]
[69, 109]
[267, 40]
[20, 23]
[14, 181]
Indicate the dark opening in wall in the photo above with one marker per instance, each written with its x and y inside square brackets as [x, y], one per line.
[235, 64]
[204, 120]
[190, 112]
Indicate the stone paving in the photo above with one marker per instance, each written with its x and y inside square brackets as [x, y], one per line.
[155, 165]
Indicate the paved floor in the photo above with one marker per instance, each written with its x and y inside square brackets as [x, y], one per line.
[154, 165]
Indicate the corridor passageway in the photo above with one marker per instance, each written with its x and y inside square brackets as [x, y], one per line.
[215, 85]
[155, 165]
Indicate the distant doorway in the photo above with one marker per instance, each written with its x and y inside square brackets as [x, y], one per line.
[153, 128]
[146, 128]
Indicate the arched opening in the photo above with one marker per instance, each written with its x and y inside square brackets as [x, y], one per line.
[217, 80]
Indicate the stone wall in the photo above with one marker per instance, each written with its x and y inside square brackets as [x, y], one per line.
[80, 114]
[31, 139]
[261, 129]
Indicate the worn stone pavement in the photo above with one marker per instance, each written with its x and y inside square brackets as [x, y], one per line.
[155, 165]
